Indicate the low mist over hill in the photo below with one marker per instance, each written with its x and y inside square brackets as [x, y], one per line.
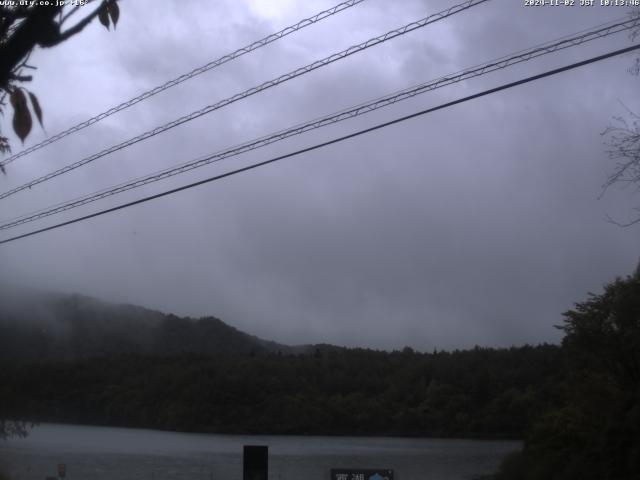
[37, 326]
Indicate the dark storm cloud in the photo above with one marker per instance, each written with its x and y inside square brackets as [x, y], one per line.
[477, 224]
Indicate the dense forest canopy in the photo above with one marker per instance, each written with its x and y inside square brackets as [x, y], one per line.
[479, 392]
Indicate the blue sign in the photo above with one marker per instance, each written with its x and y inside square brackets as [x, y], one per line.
[361, 474]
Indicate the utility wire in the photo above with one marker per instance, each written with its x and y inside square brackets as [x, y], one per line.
[482, 69]
[254, 90]
[183, 78]
[330, 142]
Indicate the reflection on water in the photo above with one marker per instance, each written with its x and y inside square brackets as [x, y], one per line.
[127, 454]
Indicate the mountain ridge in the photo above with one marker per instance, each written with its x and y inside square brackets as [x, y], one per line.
[47, 326]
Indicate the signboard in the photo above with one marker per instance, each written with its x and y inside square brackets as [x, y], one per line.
[361, 474]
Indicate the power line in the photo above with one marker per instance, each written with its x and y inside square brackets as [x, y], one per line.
[183, 78]
[504, 62]
[254, 90]
[524, 55]
[330, 142]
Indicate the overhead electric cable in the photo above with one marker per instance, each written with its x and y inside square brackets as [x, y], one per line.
[254, 90]
[183, 78]
[361, 109]
[329, 142]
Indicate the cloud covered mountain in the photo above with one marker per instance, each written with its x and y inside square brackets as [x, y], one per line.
[47, 326]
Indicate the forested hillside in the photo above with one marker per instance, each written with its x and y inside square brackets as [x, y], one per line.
[479, 392]
[70, 358]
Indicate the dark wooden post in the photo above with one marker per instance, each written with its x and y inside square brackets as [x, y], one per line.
[256, 462]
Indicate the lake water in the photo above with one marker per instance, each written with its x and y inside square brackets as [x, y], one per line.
[100, 453]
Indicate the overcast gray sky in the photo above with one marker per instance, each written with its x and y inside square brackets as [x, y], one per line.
[479, 224]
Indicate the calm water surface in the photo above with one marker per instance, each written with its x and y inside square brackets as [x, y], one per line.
[102, 453]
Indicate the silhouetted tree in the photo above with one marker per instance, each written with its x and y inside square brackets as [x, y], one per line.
[594, 432]
[604, 332]
[623, 141]
[24, 27]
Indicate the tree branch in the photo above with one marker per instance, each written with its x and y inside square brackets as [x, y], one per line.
[35, 28]
[78, 27]
[20, 78]
[67, 15]
[623, 224]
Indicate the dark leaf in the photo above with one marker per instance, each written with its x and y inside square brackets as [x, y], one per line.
[103, 15]
[114, 12]
[21, 114]
[4, 146]
[36, 107]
